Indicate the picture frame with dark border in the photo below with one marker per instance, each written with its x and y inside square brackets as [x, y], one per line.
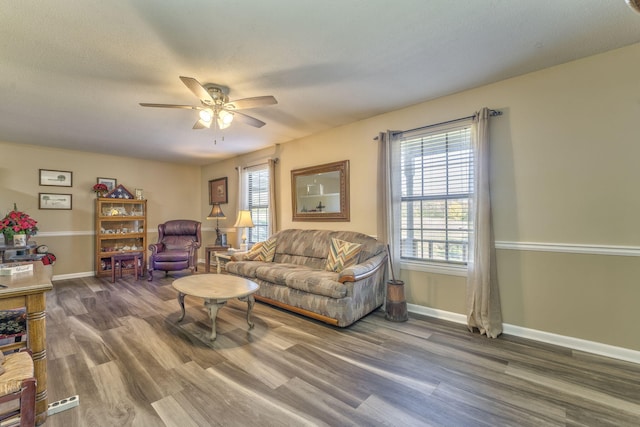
[218, 191]
[55, 201]
[55, 178]
[111, 183]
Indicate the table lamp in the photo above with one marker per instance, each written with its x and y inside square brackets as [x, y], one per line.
[216, 212]
[244, 221]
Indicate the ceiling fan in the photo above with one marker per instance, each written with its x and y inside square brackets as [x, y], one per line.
[216, 105]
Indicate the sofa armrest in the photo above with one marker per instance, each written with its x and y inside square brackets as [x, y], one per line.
[156, 247]
[239, 256]
[363, 270]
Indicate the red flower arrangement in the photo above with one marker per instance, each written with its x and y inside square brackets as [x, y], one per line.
[100, 189]
[16, 222]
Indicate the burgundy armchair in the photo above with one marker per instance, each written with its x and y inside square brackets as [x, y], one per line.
[177, 247]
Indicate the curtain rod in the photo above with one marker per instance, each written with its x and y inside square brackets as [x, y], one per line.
[275, 160]
[492, 113]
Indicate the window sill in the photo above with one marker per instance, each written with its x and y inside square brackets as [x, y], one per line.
[433, 267]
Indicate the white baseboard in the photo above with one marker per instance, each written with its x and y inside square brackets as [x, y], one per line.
[73, 275]
[546, 337]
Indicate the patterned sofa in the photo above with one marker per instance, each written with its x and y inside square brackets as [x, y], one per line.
[293, 275]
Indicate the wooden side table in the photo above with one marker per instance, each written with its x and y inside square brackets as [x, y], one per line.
[208, 251]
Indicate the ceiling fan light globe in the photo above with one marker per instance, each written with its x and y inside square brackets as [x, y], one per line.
[224, 119]
[223, 125]
[206, 115]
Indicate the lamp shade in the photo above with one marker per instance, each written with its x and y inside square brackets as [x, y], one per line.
[244, 219]
[216, 212]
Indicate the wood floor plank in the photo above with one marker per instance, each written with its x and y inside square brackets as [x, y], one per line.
[175, 413]
[120, 348]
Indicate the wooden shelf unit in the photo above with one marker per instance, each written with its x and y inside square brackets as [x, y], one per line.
[121, 226]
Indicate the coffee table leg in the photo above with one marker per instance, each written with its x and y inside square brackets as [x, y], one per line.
[250, 302]
[213, 306]
[181, 302]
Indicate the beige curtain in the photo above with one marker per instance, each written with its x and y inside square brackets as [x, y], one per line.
[273, 218]
[483, 297]
[388, 199]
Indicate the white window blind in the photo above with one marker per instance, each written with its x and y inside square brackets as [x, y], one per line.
[436, 185]
[258, 203]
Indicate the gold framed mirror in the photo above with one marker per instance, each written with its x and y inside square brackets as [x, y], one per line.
[321, 193]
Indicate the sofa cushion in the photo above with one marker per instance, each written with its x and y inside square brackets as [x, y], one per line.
[342, 255]
[317, 282]
[311, 247]
[278, 273]
[171, 255]
[244, 268]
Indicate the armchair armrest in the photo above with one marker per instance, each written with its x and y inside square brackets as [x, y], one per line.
[193, 247]
[156, 247]
[363, 270]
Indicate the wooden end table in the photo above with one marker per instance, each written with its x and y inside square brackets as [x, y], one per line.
[208, 251]
[216, 289]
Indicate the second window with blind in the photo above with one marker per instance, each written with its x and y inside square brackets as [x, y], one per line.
[257, 179]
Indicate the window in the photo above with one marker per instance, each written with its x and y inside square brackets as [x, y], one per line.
[258, 203]
[436, 176]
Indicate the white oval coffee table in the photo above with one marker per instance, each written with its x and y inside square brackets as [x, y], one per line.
[216, 289]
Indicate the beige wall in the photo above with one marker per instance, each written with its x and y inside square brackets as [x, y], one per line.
[564, 172]
[173, 191]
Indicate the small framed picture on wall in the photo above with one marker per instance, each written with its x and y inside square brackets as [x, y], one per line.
[54, 201]
[218, 191]
[111, 183]
[56, 178]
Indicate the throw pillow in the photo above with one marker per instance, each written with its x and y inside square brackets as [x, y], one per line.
[255, 252]
[342, 255]
[268, 250]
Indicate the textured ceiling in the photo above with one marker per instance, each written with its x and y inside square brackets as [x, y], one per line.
[72, 73]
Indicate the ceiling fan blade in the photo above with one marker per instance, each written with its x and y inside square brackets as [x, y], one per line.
[187, 107]
[256, 101]
[197, 89]
[248, 119]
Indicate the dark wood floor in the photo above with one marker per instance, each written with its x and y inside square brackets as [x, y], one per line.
[119, 348]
